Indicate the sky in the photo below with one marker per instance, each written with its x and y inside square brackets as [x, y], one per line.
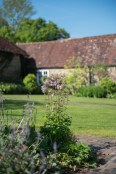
[80, 18]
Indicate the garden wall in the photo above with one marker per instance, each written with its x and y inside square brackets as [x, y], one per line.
[91, 79]
[10, 66]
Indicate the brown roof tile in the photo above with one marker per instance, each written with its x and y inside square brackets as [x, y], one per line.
[53, 54]
[7, 46]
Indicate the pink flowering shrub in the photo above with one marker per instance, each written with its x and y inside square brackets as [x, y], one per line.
[56, 99]
[56, 126]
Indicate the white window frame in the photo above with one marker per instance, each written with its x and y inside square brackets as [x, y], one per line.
[42, 74]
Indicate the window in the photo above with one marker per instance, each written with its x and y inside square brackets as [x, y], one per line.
[42, 73]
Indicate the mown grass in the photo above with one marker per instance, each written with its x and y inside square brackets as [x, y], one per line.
[72, 99]
[86, 120]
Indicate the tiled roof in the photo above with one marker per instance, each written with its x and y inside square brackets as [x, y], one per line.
[53, 54]
[7, 46]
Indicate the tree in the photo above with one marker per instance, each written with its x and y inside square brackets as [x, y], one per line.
[38, 30]
[16, 25]
[14, 11]
[76, 74]
[7, 33]
[3, 23]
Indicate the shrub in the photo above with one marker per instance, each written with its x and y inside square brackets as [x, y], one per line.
[99, 92]
[83, 91]
[8, 88]
[19, 148]
[78, 94]
[90, 90]
[30, 83]
[76, 74]
[115, 96]
[86, 91]
[21, 89]
[108, 84]
[56, 126]
[12, 88]
[15, 156]
[110, 96]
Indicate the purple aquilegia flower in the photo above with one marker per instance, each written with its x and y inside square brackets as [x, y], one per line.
[57, 81]
[16, 149]
[64, 77]
[9, 151]
[65, 84]
[52, 95]
[68, 88]
[43, 88]
[58, 87]
[47, 82]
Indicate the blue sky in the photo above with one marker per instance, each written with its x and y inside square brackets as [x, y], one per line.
[81, 18]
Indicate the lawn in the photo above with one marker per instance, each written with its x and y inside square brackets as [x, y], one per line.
[86, 120]
[72, 99]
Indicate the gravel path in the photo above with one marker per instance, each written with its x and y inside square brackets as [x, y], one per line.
[105, 148]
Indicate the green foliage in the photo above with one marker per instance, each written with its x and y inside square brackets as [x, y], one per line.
[92, 91]
[110, 96]
[86, 91]
[78, 94]
[30, 83]
[7, 33]
[38, 30]
[3, 22]
[56, 126]
[114, 95]
[30, 30]
[100, 70]
[108, 84]
[15, 156]
[76, 154]
[100, 92]
[19, 147]
[76, 75]
[15, 11]
[12, 88]
[83, 91]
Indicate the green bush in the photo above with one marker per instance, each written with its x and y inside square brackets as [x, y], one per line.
[12, 88]
[56, 127]
[30, 83]
[8, 88]
[20, 146]
[83, 91]
[21, 89]
[78, 94]
[99, 92]
[86, 91]
[108, 84]
[92, 91]
[115, 96]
